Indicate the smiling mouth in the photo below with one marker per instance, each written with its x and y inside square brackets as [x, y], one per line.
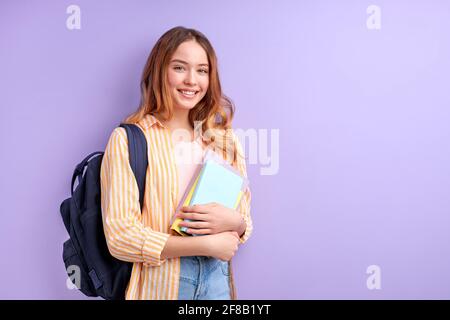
[188, 93]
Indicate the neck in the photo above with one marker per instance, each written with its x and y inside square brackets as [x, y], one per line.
[180, 120]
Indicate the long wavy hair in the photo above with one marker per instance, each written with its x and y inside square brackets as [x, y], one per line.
[215, 111]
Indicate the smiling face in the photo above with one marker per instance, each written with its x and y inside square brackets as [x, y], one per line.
[188, 75]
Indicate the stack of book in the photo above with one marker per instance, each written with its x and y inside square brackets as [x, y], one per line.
[214, 181]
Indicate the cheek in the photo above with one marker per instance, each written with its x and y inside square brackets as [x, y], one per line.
[204, 83]
[174, 79]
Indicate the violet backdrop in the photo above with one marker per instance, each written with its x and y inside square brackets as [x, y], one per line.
[363, 118]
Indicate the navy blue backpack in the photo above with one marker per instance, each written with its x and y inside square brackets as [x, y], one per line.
[86, 250]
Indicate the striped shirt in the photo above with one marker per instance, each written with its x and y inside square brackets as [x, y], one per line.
[140, 238]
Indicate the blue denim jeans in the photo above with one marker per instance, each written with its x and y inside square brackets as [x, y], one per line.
[204, 278]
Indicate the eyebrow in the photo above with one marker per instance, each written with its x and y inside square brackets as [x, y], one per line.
[184, 62]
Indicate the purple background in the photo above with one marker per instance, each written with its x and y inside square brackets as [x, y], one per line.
[364, 135]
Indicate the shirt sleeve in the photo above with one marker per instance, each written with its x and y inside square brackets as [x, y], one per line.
[244, 205]
[128, 239]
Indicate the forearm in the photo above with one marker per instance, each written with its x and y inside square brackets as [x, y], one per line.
[177, 246]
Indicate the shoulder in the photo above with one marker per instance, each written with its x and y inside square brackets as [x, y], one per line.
[117, 141]
[121, 134]
[118, 135]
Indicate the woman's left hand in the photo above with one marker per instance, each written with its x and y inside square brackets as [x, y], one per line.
[210, 218]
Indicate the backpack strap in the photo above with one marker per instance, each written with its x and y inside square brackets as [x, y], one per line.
[137, 149]
[78, 172]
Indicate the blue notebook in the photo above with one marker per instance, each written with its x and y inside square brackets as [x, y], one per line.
[218, 182]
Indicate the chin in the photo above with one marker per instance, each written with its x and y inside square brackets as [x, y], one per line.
[185, 107]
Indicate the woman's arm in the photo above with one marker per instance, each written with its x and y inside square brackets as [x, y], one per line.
[128, 239]
[177, 246]
[222, 246]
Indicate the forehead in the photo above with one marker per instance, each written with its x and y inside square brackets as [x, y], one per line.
[191, 52]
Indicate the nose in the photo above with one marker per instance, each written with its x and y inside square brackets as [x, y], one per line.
[190, 78]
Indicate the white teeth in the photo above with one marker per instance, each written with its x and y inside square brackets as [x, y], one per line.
[191, 93]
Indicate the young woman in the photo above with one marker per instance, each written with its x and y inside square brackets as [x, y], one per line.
[182, 114]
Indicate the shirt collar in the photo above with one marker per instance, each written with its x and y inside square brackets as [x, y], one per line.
[149, 120]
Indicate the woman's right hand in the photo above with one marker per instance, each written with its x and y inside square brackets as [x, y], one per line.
[222, 245]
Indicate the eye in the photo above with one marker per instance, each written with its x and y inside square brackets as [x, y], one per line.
[178, 68]
[204, 71]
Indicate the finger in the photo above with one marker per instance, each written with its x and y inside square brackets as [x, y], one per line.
[198, 231]
[199, 208]
[192, 216]
[194, 224]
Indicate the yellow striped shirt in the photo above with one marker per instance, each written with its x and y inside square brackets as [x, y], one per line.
[140, 238]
